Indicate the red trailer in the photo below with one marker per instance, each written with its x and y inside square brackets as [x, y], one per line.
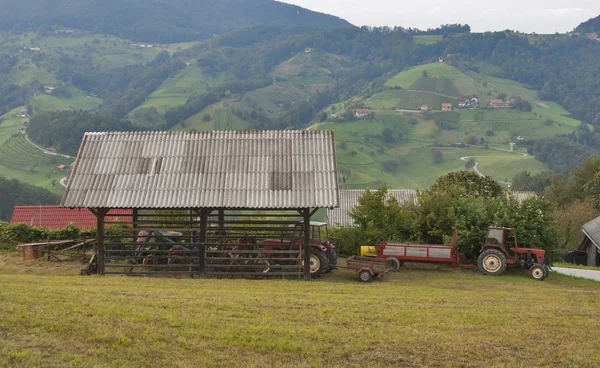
[408, 252]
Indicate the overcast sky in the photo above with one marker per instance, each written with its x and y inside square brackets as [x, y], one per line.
[540, 16]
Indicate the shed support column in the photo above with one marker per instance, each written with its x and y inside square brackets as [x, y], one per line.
[202, 241]
[306, 244]
[100, 213]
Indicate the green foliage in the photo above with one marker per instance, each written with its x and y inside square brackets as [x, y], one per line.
[524, 181]
[16, 193]
[22, 233]
[457, 201]
[437, 156]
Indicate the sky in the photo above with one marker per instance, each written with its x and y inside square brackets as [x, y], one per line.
[539, 16]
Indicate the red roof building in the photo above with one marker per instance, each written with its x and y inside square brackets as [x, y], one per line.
[55, 217]
[362, 112]
[496, 103]
[446, 107]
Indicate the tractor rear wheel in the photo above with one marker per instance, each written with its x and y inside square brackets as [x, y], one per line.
[395, 264]
[492, 262]
[319, 262]
[538, 272]
[365, 276]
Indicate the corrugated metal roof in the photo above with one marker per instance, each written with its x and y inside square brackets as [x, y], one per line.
[231, 169]
[54, 217]
[349, 200]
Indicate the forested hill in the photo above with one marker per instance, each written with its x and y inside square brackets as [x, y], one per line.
[161, 21]
[590, 26]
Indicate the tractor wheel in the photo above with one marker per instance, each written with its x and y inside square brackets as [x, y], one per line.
[333, 258]
[150, 261]
[365, 276]
[395, 266]
[319, 263]
[538, 272]
[266, 266]
[492, 262]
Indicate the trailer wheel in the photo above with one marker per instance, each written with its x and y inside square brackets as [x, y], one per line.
[395, 266]
[538, 272]
[365, 276]
[492, 262]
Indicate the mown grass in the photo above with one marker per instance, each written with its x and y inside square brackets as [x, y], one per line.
[422, 316]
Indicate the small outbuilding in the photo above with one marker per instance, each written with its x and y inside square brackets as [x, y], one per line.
[205, 203]
[590, 246]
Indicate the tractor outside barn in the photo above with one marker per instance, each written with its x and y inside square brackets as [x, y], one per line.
[209, 203]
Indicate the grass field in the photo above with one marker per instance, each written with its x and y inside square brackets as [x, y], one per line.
[422, 316]
[20, 160]
[427, 39]
[175, 91]
[406, 78]
[46, 102]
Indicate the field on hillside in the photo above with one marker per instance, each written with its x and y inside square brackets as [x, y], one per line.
[175, 91]
[362, 154]
[427, 39]
[421, 316]
[20, 160]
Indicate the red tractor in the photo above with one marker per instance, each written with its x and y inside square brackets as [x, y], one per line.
[495, 256]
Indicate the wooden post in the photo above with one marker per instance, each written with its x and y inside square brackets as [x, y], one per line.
[592, 254]
[100, 213]
[306, 243]
[221, 220]
[202, 241]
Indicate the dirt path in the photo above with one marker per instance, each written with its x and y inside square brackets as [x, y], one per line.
[45, 150]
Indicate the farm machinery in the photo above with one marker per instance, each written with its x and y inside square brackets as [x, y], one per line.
[499, 251]
[156, 248]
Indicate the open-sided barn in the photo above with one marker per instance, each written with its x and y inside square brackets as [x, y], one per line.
[195, 197]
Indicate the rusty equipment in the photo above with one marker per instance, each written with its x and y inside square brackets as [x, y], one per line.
[368, 268]
[493, 260]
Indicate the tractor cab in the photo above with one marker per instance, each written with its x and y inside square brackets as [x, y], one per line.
[505, 238]
[501, 249]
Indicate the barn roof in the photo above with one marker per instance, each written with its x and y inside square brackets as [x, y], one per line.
[219, 169]
[55, 217]
[349, 200]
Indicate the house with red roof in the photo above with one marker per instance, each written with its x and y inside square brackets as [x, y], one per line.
[446, 107]
[496, 103]
[55, 217]
[362, 113]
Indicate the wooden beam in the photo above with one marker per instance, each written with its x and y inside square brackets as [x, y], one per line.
[202, 241]
[306, 244]
[100, 214]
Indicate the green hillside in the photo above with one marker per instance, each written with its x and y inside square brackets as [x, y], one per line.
[407, 162]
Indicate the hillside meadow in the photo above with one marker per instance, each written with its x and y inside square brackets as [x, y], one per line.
[421, 316]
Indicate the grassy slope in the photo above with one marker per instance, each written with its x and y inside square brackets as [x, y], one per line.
[20, 160]
[419, 317]
[427, 39]
[416, 169]
[175, 91]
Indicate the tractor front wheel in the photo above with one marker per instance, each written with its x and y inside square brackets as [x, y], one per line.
[365, 276]
[538, 272]
[492, 262]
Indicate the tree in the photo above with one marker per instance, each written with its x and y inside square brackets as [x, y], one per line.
[206, 117]
[437, 156]
[471, 140]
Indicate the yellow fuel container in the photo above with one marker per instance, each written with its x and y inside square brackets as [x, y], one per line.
[368, 251]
